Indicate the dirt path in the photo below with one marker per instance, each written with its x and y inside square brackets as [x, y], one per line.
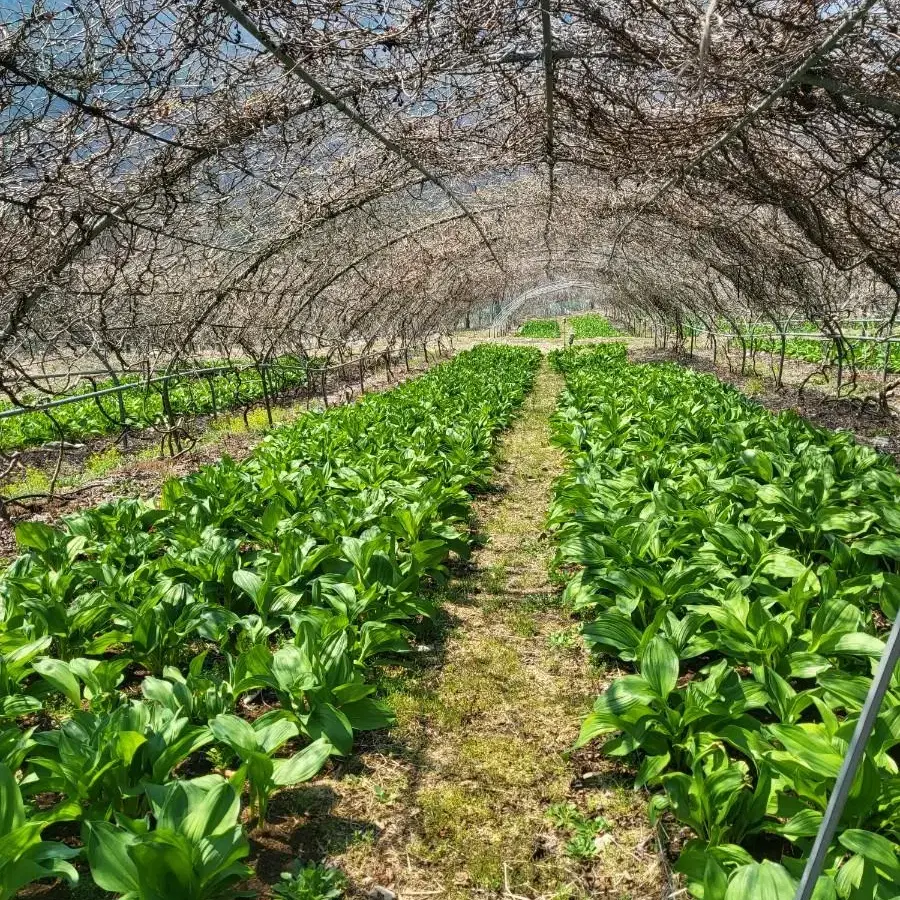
[471, 794]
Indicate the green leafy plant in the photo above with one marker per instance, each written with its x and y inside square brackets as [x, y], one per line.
[592, 326]
[734, 559]
[199, 695]
[93, 681]
[192, 851]
[190, 394]
[583, 830]
[24, 857]
[256, 744]
[312, 881]
[104, 761]
[280, 578]
[540, 328]
[17, 657]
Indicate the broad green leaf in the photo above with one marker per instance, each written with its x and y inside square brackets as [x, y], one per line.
[782, 565]
[879, 546]
[627, 693]
[249, 582]
[128, 743]
[659, 667]
[651, 768]
[16, 705]
[58, 674]
[859, 644]
[213, 811]
[715, 880]
[12, 810]
[112, 867]
[35, 536]
[303, 765]
[851, 522]
[761, 881]
[327, 722]
[811, 746]
[165, 861]
[272, 734]
[759, 462]
[803, 824]
[235, 732]
[612, 629]
[875, 848]
[368, 715]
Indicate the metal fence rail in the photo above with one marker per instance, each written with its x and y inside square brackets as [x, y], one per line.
[312, 370]
[134, 385]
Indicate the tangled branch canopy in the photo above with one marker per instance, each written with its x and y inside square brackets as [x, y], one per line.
[335, 172]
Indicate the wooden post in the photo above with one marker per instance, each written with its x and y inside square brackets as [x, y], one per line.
[779, 380]
[838, 349]
[237, 387]
[265, 390]
[212, 394]
[120, 398]
[170, 417]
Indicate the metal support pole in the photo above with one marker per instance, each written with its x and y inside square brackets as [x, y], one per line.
[880, 684]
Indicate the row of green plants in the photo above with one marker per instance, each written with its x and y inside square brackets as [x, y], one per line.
[144, 407]
[857, 353]
[540, 328]
[744, 567]
[860, 354]
[592, 326]
[165, 668]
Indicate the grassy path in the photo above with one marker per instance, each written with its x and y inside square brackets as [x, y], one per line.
[470, 795]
